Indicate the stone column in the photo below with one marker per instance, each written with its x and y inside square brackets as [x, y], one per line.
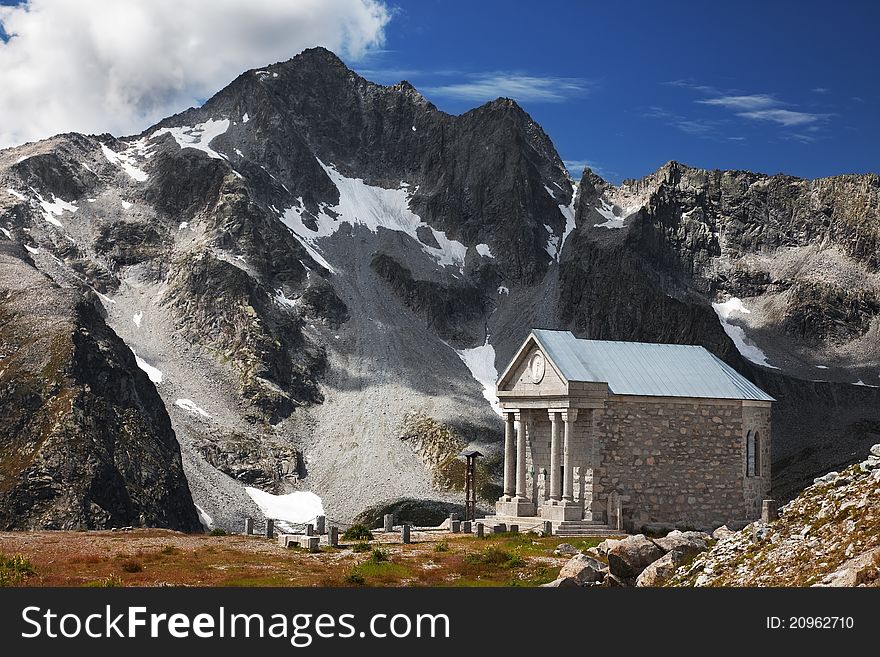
[555, 493]
[521, 458]
[569, 417]
[509, 455]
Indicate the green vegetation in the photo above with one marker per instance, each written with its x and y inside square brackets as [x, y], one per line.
[109, 582]
[379, 555]
[14, 570]
[354, 577]
[494, 556]
[360, 547]
[442, 546]
[357, 533]
[217, 532]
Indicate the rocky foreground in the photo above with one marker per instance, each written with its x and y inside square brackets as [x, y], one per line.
[827, 536]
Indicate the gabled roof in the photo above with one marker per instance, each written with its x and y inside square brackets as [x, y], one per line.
[642, 368]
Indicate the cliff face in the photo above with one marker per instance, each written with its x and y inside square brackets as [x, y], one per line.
[309, 257]
[85, 441]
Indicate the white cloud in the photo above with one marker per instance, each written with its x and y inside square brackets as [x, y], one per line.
[783, 116]
[749, 102]
[120, 65]
[523, 88]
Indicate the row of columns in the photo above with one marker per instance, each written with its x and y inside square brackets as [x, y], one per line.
[515, 455]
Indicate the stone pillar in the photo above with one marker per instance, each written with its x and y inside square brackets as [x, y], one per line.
[479, 530]
[521, 458]
[404, 533]
[270, 528]
[548, 528]
[333, 536]
[509, 455]
[320, 523]
[769, 510]
[466, 526]
[569, 417]
[310, 530]
[389, 522]
[555, 420]
[248, 526]
[455, 526]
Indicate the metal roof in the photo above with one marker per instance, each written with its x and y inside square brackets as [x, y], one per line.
[642, 368]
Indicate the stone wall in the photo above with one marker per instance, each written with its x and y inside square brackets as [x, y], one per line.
[755, 489]
[673, 460]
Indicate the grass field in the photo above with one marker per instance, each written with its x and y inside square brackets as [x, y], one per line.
[165, 558]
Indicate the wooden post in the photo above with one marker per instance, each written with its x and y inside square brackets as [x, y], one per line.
[389, 522]
[320, 523]
[270, 528]
[333, 536]
[404, 533]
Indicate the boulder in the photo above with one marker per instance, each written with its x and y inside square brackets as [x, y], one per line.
[632, 555]
[875, 450]
[614, 580]
[661, 570]
[565, 550]
[684, 542]
[722, 532]
[561, 582]
[584, 569]
[606, 545]
[826, 478]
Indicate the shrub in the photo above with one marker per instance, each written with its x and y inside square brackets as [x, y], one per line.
[355, 578]
[442, 546]
[357, 533]
[14, 570]
[360, 547]
[109, 582]
[217, 532]
[132, 567]
[494, 556]
[379, 555]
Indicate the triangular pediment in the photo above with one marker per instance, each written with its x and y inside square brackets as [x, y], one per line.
[532, 371]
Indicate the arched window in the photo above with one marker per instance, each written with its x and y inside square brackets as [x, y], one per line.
[753, 465]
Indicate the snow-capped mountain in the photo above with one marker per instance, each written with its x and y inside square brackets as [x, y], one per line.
[309, 258]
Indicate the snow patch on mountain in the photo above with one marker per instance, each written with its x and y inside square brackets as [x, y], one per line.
[198, 136]
[297, 508]
[137, 318]
[125, 162]
[206, 520]
[480, 361]
[154, 374]
[18, 195]
[484, 250]
[612, 221]
[374, 207]
[55, 208]
[736, 333]
[192, 407]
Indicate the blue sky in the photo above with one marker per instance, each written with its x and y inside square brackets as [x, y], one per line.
[774, 86]
[767, 86]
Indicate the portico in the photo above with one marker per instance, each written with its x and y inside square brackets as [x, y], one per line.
[548, 446]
